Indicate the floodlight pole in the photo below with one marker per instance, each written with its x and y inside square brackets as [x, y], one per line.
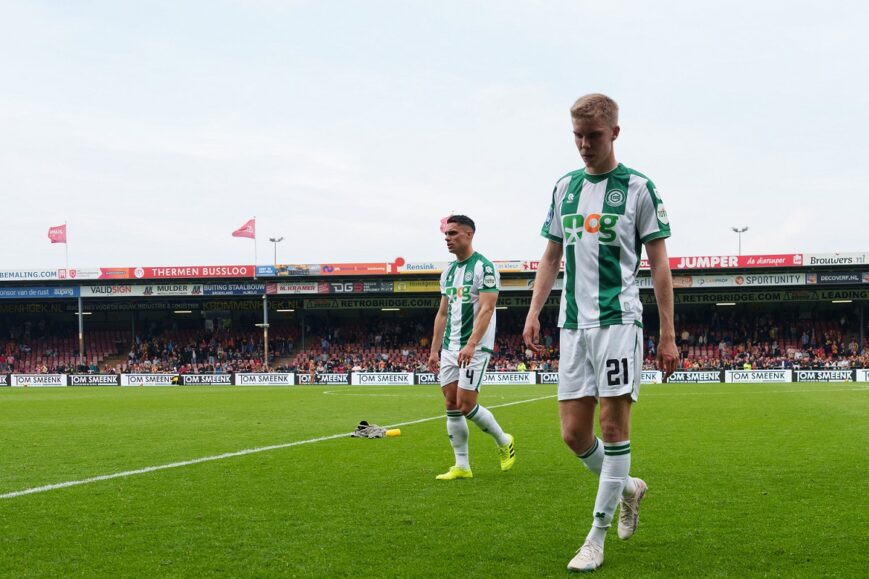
[265, 326]
[80, 332]
[739, 231]
[275, 241]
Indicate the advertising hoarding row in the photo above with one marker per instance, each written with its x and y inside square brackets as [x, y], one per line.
[399, 266]
[347, 288]
[418, 378]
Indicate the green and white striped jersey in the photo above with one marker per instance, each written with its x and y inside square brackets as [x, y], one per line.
[462, 283]
[602, 222]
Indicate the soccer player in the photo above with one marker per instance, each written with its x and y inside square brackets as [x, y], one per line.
[599, 219]
[464, 330]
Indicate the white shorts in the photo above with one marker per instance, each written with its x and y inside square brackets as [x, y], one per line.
[598, 362]
[469, 377]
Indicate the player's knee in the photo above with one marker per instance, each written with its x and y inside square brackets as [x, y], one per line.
[578, 442]
[466, 406]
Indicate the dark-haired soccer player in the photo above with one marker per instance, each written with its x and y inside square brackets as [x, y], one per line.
[464, 331]
[599, 219]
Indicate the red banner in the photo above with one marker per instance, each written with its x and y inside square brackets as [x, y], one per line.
[191, 272]
[714, 262]
[733, 261]
[114, 273]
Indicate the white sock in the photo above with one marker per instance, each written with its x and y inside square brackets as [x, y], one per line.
[593, 460]
[613, 474]
[457, 429]
[593, 457]
[483, 418]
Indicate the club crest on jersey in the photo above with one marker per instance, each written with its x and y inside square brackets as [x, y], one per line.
[615, 198]
[469, 275]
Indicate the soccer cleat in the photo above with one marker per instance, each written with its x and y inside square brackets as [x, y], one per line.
[508, 454]
[455, 472]
[629, 514]
[588, 558]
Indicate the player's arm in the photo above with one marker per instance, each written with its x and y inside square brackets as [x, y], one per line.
[488, 300]
[662, 281]
[440, 325]
[547, 271]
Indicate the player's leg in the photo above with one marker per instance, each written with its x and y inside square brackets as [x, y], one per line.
[634, 489]
[577, 391]
[616, 356]
[470, 379]
[457, 426]
[577, 431]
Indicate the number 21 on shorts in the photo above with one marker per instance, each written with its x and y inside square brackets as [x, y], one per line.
[616, 376]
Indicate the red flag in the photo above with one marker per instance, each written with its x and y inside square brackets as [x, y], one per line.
[246, 230]
[57, 234]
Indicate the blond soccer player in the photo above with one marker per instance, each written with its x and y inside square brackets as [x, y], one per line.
[599, 219]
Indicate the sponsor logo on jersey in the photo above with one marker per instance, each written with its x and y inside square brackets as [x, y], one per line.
[594, 223]
[462, 293]
[615, 198]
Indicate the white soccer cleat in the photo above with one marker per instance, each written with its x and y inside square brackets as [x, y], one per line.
[588, 558]
[629, 514]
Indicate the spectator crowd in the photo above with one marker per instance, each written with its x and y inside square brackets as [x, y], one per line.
[717, 342]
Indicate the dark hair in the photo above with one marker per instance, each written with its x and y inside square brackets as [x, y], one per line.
[463, 220]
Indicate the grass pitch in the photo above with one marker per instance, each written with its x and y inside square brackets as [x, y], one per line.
[745, 480]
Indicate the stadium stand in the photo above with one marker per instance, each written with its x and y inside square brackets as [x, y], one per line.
[711, 339]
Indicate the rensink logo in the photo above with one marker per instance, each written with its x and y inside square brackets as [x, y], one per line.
[420, 267]
[575, 225]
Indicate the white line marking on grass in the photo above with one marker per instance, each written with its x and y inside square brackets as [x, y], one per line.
[127, 473]
[339, 393]
[731, 393]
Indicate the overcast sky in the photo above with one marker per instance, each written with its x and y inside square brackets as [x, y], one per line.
[351, 128]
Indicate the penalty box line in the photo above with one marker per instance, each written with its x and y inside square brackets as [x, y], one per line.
[149, 469]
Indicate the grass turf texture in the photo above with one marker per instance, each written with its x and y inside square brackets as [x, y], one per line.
[745, 480]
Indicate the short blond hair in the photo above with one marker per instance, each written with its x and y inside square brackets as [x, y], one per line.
[596, 106]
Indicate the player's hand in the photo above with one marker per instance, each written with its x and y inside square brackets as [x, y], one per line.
[434, 362]
[531, 335]
[466, 354]
[668, 356]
